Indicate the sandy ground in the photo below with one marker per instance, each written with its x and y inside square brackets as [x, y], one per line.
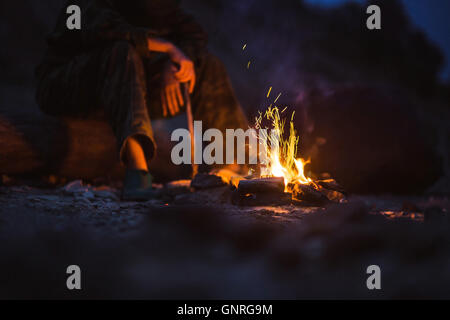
[198, 245]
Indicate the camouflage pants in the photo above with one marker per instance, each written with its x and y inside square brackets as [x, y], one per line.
[120, 85]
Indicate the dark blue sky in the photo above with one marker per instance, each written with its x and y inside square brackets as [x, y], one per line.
[432, 16]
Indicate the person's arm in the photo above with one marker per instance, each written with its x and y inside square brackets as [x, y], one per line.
[102, 23]
[105, 24]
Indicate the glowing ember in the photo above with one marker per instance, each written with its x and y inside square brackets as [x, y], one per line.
[280, 159]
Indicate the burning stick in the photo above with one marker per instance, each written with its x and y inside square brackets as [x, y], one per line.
[190, 121]
[308, 194]
[331, 184]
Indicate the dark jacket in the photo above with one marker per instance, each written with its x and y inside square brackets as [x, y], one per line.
[106, 21]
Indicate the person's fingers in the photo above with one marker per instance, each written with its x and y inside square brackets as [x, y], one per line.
[181, 73]
[182, 77]
[192, 84]
[188, 77]
[169, 100]
[179, 77]
[164, 103]
[186, 71]
[190, 73]
[176, 106]
[179, 95]
[190, 81]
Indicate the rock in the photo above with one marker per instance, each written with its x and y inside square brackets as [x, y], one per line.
[88, 195]
[183, 199]
[130, 204]
[207, 181]
[375, 142]
[48, 197]
[175, 188]
[109, 206]
[33, 198]
[83, 200]
[75, 187]
[104, 194]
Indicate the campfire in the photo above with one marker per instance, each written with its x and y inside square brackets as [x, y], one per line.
[282, 176]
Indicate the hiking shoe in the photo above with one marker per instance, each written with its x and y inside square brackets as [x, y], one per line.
[138, 186]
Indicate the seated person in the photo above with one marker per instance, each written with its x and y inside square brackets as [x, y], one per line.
[130, 61]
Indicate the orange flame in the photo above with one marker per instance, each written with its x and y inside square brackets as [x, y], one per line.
[280, 158]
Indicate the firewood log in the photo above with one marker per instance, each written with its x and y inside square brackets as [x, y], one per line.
[229, 177]
[263, 185]
[32, 143]
[307, 193]
[331, 184]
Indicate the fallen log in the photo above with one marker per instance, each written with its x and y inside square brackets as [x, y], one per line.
[33, 143]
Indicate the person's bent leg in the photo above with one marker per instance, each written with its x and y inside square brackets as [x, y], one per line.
[123, 94]
[110, 80]
[135, 155]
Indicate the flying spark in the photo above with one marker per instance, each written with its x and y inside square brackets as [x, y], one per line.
[277, 98]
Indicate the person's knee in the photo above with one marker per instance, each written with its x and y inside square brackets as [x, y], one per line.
[123, 51]
[209, 60]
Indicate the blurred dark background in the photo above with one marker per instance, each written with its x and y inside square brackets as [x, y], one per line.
[371, 106]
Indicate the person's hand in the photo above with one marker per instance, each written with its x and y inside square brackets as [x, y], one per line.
[186, 71]
[171, 97]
